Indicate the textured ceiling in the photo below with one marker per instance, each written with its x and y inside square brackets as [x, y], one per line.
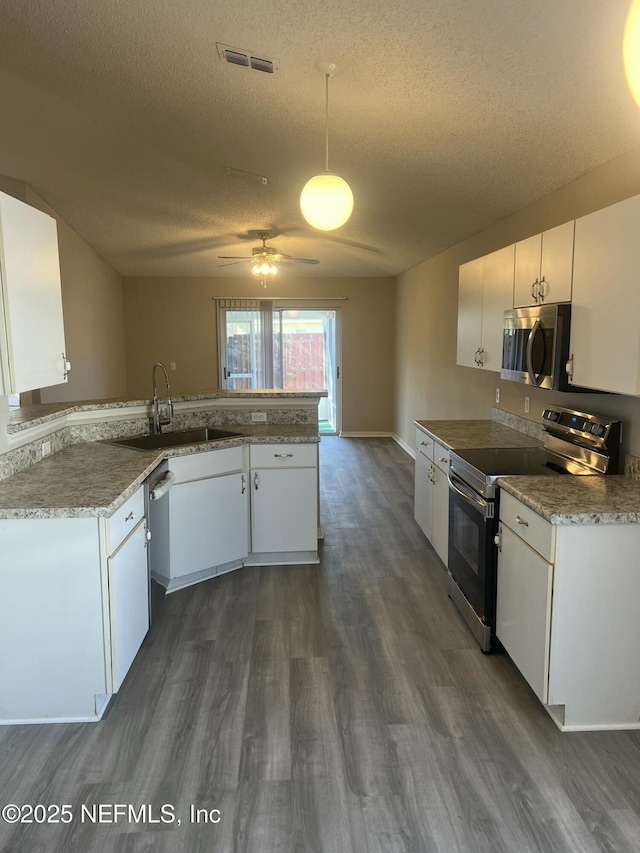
[446, 116]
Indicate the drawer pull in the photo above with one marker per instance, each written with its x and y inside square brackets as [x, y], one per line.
[131, 516]
[520, 520]
[283, 455]
[443, 458]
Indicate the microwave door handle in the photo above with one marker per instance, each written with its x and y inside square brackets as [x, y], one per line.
[468, 494]
[534, 330]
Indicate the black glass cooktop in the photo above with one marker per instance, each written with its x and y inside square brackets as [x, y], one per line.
[509, 461]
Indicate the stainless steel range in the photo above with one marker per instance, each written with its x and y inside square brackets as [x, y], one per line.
[575, 443]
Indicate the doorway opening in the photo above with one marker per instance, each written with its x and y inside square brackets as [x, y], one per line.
[291, 348]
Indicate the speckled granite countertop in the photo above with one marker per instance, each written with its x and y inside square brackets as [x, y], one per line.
[578, 500]
[95, 478]
[465, 434]
[27, 416]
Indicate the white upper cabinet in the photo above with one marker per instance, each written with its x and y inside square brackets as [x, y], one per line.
[605, 334]
[544, 266]
[485, 292]
[32, 346]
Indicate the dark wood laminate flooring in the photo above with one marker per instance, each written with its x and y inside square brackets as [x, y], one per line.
[333, 708]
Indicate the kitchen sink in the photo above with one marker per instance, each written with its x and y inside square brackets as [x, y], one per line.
[174, 439]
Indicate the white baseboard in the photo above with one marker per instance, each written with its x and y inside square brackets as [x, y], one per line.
[403, 444]
[366, 434]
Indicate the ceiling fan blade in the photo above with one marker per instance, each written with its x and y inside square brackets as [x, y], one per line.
[234, 263]
[234, 258]
[289, 260]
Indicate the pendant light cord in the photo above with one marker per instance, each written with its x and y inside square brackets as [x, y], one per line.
[326, 123]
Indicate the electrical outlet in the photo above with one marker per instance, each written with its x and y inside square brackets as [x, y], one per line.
[46, 448]
[172, 365]
[497, 395]
[258, 417]
[527, 403]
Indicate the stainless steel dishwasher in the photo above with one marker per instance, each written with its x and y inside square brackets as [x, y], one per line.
[157, 511]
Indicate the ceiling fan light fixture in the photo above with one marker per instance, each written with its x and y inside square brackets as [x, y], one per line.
[326, 200]
[263, 266]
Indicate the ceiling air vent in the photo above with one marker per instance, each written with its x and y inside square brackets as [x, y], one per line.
[244, 58]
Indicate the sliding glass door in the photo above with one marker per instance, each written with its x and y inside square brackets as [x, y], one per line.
[292, 348]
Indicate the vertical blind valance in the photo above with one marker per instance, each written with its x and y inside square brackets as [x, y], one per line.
[238, 304]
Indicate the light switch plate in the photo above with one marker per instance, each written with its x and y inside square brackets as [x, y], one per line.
[527, 404]
[497, 395]
[258, 417]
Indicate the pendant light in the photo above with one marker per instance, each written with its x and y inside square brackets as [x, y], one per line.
[631, 50]
[326, 199]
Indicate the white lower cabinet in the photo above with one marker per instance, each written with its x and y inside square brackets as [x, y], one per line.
[431, 496]
[74, 609]
[566, 613]
[284, 503]
[128, 602]
[523, 609]
[234, 506]
[208, 527]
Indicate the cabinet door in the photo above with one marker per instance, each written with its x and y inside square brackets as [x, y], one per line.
[284, 510]
[423, 494]
[440, 514]
[208, 522]
[527, 271]
[470, 312]
[523, 609]
[129, 602]
[605, 343]
[497, 297]
[33, 341]
[556, 270]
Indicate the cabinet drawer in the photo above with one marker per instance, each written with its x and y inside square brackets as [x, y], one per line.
[424, 444]
[284, 455]
[209, 463]
[125, 519]
[528, 525]
[441, 456]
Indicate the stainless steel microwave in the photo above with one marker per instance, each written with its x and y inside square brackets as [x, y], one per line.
[535, 346]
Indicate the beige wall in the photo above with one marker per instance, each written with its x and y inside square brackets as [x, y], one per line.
[428, 383]
[174, 319]
[93, 313]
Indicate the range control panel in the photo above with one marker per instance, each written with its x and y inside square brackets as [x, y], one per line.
[598, 432]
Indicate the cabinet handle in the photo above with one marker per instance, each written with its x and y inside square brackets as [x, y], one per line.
[147, 537]
[523, 521]
[131, 516]
[569, 368]
[541, 288]
[443, 459]
[255, 481]
[476, 357]
[430, 473]
[243, 480]
[283, 455]
[498, 539]
[535, 290]
[66, 366]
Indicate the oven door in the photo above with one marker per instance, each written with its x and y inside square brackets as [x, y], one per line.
[472, 551]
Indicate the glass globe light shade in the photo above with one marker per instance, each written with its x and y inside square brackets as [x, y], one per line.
[631, 50]
[326, 201]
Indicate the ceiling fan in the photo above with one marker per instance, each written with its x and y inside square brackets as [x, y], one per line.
[265, 260]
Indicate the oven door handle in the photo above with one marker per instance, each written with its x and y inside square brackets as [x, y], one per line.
[535, 380]
[468, 494]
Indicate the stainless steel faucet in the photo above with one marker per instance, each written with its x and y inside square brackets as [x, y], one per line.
[157, 423]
